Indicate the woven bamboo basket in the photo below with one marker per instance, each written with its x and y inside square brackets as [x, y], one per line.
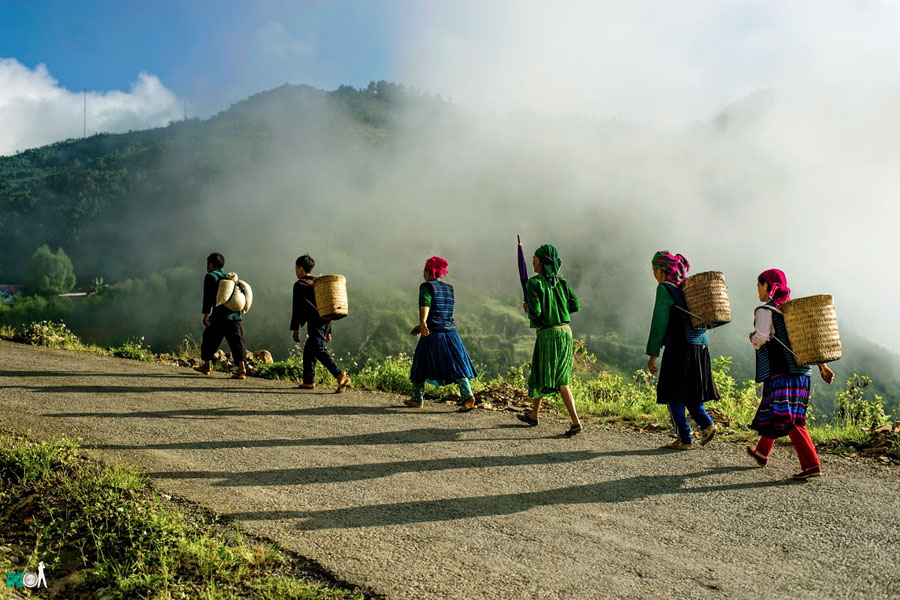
[331, 297]
[813, 329]
[707, 298]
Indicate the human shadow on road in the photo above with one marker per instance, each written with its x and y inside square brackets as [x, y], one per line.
[69, 374]
[448, 509]
[135, 389]
[358, 472]
[224, 412]
[406, 436]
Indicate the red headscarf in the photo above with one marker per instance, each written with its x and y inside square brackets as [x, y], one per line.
[437, 266]
[779, 291]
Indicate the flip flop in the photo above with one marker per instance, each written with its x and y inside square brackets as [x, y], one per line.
[525, 418]
[815, 471]
[760, 460]
[574, 430]
[464, 407]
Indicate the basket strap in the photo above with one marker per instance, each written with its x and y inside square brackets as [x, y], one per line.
[774, 337]
[688, 312]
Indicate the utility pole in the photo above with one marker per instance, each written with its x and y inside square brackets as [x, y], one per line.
[185, 109]
[84, 131]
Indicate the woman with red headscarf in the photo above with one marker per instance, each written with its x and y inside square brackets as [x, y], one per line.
[786, 385]
[685, 379]
[440, 357]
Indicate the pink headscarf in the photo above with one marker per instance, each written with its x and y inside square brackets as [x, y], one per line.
[437, 266]
[776, 280]
[674, 266]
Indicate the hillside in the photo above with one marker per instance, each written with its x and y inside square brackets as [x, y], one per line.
[370, 181]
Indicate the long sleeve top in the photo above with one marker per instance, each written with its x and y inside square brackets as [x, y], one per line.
[549, 306]
[304, 309]
[764, 328]
[210, 290]
[659, 323]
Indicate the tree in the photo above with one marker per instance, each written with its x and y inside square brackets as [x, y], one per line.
[49, 274]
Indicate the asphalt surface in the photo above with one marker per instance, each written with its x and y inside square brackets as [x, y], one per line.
[430, 503]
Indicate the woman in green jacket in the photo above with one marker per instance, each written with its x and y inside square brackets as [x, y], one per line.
[550, 301]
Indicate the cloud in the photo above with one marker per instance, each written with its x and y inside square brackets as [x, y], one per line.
[643, 59]
[35, 110]
[275, 42]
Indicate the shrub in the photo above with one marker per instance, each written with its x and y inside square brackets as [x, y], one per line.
[854, 409]
[48, 333]
[49, 274]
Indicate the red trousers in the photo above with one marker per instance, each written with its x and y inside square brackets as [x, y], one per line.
[806, 452]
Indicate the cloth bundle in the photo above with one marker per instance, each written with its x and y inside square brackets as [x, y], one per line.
[234, 294]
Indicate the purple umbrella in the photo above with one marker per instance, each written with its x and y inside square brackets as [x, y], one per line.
[523, 268]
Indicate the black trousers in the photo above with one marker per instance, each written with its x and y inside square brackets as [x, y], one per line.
[218, 330]
[315, 349]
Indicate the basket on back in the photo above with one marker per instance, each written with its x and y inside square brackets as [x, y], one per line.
[707, 298]
[812, 329]
[331, 297]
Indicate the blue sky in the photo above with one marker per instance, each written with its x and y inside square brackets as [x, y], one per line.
[206, 52]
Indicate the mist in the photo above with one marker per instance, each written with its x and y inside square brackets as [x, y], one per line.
[744, 137]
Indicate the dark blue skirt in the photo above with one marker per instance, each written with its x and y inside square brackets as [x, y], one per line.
[441, 359]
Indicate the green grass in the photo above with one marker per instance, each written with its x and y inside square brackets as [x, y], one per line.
[106, 525]
[607, 395]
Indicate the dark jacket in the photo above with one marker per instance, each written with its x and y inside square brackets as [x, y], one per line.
[210, 289]
[304, 310]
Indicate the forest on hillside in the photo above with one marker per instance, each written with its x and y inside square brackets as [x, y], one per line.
[371, 182]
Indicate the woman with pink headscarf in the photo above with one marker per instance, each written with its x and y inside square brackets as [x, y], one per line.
[786, 385]
[440, 357]
[685, 378]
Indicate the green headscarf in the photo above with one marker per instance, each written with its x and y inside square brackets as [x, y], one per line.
[549, 257]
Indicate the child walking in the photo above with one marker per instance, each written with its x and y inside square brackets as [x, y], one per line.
[318, 331]
[685, 377]
[440, 357]
[550, 301]
[786, 385]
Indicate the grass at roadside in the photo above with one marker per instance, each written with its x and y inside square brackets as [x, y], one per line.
[104, 527]
[610, 397]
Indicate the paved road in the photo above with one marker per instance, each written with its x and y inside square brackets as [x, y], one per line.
[435, 504]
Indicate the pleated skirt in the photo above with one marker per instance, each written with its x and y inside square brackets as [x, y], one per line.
[551, 363]
[783, 406]
[685, 376]
[441, 359]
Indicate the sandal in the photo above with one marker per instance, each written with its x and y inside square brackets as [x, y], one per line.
[468, 405]
[759, 458]
[574, 430]
[342, 383]
[679, 445]
[526, 418]
[815, 471]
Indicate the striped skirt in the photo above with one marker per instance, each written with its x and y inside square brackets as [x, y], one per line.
[551, 363]
[783, 406]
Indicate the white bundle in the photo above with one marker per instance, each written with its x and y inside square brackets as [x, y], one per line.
[234, 294]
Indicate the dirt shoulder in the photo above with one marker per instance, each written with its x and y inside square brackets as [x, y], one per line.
[434, 504]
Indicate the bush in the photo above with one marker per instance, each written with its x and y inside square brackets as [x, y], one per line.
[852, 408]
[134, 349]
[49, 274]
[48, 333]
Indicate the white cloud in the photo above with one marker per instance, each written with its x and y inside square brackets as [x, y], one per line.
[643, 59]
[274, 41]
[36, 110]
